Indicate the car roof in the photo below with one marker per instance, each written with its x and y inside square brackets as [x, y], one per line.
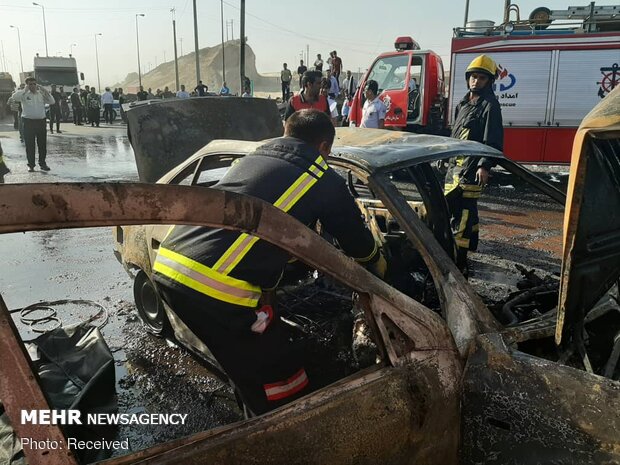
[376, 149]
[386, 150]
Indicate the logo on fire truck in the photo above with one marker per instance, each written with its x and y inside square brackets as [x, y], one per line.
[610, 79]
[505, 79]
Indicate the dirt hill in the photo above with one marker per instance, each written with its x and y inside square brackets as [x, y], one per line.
[210, 71]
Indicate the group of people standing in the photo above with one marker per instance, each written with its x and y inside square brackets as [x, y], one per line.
[332, 74]
[87, 103]
[201, 90]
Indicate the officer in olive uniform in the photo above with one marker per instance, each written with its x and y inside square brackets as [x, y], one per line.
[215, 279]
[478, 117]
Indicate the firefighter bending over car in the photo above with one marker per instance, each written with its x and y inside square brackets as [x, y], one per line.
[478, 117]
[217, 280]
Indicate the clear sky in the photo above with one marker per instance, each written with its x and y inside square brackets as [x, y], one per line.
[277, 30]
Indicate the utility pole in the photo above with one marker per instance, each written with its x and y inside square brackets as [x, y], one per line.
[223, 52]
[138, 49]
[196, 44]
[19, 42]
[97, 58]
[44, 27]
[176, 58]
[242, 45]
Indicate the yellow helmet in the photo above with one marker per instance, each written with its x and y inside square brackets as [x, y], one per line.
[482, 64]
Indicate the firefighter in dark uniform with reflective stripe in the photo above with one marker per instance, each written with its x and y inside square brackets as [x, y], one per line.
[214, 279]
[478, 117]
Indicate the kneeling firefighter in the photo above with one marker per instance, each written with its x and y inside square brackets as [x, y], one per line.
[477, 117]
[216, 280]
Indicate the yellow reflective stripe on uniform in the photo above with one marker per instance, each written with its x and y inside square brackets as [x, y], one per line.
[449, 187]
[462, 243]
[464, 134]
[471, 191]
[458, 237]
[205, 280]
[471, 195]
[369, 257]
[235, 253]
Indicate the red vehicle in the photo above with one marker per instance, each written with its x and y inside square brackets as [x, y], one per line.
[549, 78]
[411, 84]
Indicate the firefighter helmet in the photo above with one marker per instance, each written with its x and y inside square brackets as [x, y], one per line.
[482, 64]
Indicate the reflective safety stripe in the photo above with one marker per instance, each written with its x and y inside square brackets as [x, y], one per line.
[369, 257]
[449, 187]
[471, 191]
[239, 249]
[462, 243]
[464, 136]
[287, 387]
[203, 279]
[458, 237]
[471, 195]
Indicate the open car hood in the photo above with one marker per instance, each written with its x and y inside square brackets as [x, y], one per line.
[591, 256]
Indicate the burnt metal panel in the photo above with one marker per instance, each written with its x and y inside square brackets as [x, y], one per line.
[520, 409]
[591, 257]
[164, 133]
[385, 416]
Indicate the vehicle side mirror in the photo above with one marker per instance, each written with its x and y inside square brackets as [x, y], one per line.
[82, 76]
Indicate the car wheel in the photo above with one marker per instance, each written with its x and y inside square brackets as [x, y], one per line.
[150, 306]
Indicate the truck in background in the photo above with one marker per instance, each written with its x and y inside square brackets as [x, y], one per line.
[7, 86]
[550, 77]
[61, 71]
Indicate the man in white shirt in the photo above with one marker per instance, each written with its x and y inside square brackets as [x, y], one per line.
[107, 101]
[33, 99]
[182, 93]
[334, 88]
[373, 113]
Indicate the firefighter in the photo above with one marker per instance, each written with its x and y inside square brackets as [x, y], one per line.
[217, 280]
[477, 117]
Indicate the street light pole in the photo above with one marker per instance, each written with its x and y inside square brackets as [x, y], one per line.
[176, 58]
[44, 27]
[138, 48]
[19, 42]
[242, 46]
[97, 59]
[196, 44]
[71, 49]
[223, 52]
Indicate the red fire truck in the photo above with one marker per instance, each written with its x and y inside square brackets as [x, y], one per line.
[550, 77]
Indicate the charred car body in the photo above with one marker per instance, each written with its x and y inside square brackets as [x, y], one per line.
[453, 390]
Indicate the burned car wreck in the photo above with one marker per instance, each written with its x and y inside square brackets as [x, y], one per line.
[450, 384]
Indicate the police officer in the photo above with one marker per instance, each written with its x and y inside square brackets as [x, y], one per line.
[215, 279]
[477, 117]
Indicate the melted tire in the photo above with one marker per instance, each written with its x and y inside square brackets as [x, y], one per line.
[150, 306]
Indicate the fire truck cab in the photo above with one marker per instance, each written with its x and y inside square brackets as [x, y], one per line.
[411, 84]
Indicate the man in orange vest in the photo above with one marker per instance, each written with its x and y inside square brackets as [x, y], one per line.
[310, 95]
